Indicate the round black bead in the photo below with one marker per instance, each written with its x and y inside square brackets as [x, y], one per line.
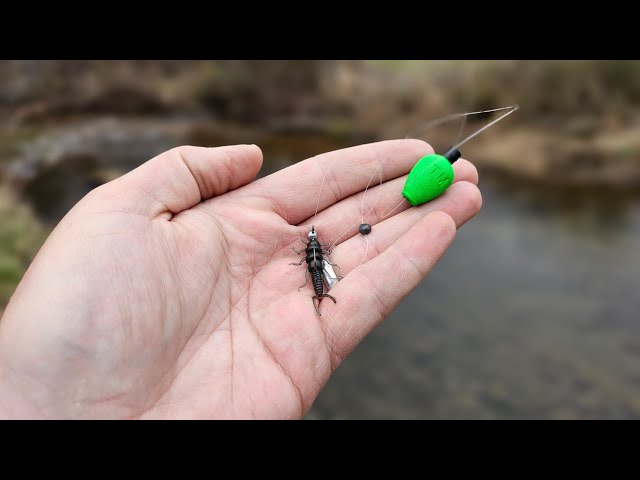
[365, 229]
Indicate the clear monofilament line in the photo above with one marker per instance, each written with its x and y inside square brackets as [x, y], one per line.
[421, 130]
[452, 117]
[488, 125]
[379, 170]
[385, 215]
[458, 143]
[366, 252]
[324, 177]
[463, 124]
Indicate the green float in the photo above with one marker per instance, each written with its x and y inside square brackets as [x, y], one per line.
[428, 179]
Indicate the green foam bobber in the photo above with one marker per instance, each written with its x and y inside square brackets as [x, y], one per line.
[430, 177]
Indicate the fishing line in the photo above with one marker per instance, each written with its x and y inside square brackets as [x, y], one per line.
[415, 133]
[324, 177]
[463, 123]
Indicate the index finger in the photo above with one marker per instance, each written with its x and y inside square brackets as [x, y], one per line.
[294, 192]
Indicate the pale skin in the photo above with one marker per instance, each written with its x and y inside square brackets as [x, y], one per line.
[167, 293]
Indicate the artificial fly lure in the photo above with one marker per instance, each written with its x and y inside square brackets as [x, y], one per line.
[428, 179]
[316, 266]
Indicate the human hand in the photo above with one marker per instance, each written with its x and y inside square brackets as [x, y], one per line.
[146, 302]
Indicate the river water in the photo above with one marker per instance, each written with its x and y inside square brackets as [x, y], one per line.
[533, 312]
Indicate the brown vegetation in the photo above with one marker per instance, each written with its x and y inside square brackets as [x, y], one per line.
[74, 124]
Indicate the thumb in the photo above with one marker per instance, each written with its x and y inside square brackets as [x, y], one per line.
[182, 177]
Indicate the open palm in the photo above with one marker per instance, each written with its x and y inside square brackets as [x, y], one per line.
[168, 292]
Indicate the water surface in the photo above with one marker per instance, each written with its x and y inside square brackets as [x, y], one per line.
[533, 313]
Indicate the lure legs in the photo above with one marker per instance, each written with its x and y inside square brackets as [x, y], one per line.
[306, 279]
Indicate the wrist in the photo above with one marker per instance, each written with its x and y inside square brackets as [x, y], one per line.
[15, 400]
[13, 404]
[8, 405]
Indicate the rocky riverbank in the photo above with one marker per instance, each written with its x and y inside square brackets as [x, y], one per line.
[580, 116]
[66, 127]
[608, 159]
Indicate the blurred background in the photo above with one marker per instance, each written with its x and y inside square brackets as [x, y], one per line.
[534, 311]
